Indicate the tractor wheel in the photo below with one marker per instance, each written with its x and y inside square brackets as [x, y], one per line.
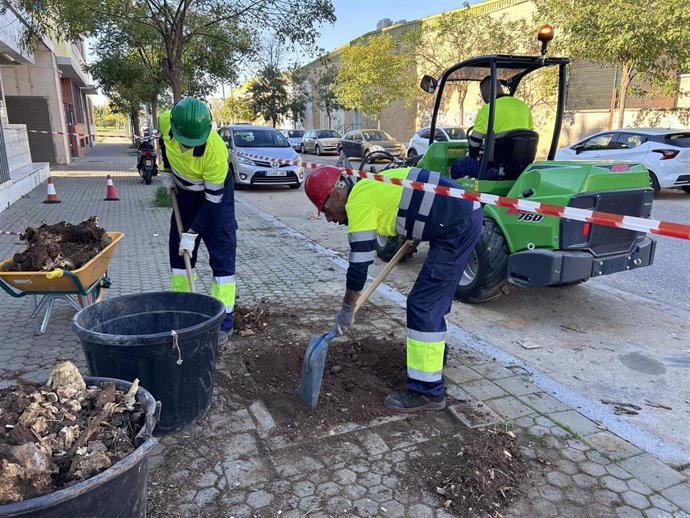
[654, 183]
[487, 269]
[388, 246]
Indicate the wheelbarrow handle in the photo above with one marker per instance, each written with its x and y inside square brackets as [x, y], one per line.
[185, 256]
[384, 273]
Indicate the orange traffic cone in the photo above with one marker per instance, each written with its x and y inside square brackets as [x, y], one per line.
[52, 194]
[110, 195]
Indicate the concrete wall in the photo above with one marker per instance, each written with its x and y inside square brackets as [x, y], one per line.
[16, 145]
[41, 80]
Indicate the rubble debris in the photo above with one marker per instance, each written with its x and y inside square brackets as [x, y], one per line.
[55, 435]
[63, 245]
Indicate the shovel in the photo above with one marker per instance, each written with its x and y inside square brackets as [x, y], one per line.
[185, 257]
[315, 356]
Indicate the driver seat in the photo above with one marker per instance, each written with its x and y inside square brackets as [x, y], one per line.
[513, 151]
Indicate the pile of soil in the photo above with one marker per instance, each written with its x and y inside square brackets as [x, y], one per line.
[248, 320]
[62, 245]
[478, 474]
[359, 373]
[55, 435]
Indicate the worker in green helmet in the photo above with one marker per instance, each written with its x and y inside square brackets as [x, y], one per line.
[196, 162]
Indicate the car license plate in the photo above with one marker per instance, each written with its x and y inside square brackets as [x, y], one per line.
[148, 162]
[276, 172]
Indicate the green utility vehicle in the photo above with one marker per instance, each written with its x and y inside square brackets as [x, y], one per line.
[530, 249]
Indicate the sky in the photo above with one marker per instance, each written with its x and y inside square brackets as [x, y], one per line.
[356, 17]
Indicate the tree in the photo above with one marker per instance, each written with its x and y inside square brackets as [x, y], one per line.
[648, 42]
[234, 108]
[435, 48]
[326, 97]
[268, 96]
[372, 75]
[211, 34]
[298, 97]
[106, 117]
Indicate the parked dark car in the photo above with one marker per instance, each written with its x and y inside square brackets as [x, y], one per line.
[360, 143]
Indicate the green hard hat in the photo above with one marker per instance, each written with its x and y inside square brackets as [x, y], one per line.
[190, 121]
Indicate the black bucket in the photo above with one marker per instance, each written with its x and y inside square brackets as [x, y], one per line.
[131, 337]
[117, 492]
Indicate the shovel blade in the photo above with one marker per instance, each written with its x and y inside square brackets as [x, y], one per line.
[312, 369]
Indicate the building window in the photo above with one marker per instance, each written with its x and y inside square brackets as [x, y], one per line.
[78, 108]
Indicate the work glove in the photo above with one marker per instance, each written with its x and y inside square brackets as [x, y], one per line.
[187, 242]
[344, 318]
[168, 180]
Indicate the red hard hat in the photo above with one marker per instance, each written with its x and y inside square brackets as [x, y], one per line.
[320, 183]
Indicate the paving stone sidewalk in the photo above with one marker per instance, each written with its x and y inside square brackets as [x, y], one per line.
[238, 462]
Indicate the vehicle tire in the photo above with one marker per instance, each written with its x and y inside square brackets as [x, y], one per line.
[302, 150]
[487, 269]
[411, 153]
[339, 151]
[147, 177]
[387, 246]
[317, 150]
[654, 183]
[686, 188]
[295, 185]
[365, 153]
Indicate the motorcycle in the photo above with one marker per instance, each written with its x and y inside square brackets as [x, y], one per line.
[146, 161]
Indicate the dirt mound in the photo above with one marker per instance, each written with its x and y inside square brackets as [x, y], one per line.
[476, 475]
[359, 374]
[62, 245]
[61, 433]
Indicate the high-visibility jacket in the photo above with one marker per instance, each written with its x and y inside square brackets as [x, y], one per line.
[510, 114]
[202, 169]
[381, 208]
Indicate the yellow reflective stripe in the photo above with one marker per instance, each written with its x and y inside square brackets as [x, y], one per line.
[425, 359]
[225, 292]
[179, 280]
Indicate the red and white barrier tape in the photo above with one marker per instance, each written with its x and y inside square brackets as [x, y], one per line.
[47, 132]
[662, 228]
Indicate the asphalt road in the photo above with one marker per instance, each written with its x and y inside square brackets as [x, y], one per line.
[622, 337]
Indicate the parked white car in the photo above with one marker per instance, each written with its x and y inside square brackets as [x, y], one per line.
[419, 142]
[244, 139]
[294, 137]
[664, 152]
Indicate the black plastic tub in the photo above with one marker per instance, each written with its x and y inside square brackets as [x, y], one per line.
[169, 340]
[117, 492]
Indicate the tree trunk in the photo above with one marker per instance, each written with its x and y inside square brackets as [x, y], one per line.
[154, 111]
[625, 83]
[134, 118]
[378, 126]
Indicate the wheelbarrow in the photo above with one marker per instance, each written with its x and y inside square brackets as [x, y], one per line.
[79, 288]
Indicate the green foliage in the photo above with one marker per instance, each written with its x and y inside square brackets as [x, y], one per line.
[648, 41]
[268, 96]
[436, 46]
[373, 74]
[326, 96]
[201, 41]
[234, 108]
[161, 197]
[297, 96]
[106, 117]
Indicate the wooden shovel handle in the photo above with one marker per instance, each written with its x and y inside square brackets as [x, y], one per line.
[384, 273]
[185, 256]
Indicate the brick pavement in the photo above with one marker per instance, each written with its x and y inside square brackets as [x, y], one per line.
[238, 462]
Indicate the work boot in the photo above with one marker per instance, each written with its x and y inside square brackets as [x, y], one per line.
[407, 401]
[223, 336]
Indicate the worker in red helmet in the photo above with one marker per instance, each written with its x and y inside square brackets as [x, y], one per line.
[452, 227]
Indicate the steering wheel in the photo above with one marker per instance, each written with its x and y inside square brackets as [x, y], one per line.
[374, 155]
